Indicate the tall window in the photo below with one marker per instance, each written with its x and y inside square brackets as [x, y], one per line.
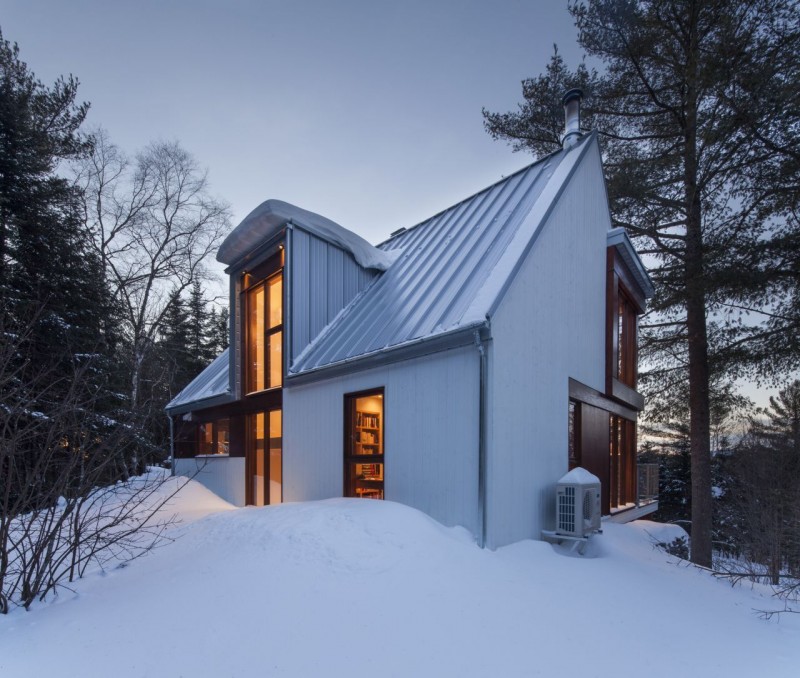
[264, 334]
[626, 340]
[622, 457]
[264, 457]
[363, 454]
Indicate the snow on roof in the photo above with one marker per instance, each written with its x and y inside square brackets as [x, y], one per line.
[212, 382]
[580, 476]
[271, 216]
[452, 269]
[618, 237]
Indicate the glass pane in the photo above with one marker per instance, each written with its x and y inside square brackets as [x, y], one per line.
[275, 451]
[275, 359]
[258, 443]
[206, 439]
[364, 460]
[368, 438]
[223, 436]
[275, 301]
[255, 340]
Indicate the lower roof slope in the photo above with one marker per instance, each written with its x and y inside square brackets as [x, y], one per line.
[210, 387]
[451, 268]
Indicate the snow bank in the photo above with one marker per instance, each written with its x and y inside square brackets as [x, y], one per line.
[349, 586]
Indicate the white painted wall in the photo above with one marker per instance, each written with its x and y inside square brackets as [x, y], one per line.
[224, 476]
[550, 326]
[430, 435]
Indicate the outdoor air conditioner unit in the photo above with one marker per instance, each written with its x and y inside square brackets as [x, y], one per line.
[578, 504]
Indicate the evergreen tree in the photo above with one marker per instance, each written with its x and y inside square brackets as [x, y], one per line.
[221, 330]
[50, 279]
[176, 346]
[53, 300]
[200, 349]
[766, 487]
[686, 155]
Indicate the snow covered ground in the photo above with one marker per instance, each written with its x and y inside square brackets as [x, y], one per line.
[357, 587]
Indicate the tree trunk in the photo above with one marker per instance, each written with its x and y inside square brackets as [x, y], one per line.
[699, 373]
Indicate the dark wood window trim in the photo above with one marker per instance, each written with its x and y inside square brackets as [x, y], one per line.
[586, 394]
[251, 280]
[351, 484]
[624, 303]
[574, 434]
[215, 425]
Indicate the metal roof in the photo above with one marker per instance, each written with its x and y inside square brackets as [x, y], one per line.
[452, 268]
[268, 219]
[210, 387]
[618, 237]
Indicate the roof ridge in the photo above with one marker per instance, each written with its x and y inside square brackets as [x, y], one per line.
[403, 232]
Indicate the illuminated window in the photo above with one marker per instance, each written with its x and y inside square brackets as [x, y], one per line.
[213, 437]
[264, 334]
[264, 457]
[622, 462]
[626, 340]
[364, 460]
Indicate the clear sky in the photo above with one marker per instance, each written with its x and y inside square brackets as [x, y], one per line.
[367, 112]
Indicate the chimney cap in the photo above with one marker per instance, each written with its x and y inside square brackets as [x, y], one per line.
[574, 93]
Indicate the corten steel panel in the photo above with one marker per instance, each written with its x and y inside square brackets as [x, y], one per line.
[595, 448]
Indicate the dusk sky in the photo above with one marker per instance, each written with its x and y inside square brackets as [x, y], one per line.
[366, 112]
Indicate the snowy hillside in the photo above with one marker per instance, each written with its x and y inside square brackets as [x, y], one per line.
[356, 587]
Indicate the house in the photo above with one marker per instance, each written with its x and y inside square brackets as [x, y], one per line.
[461, 367]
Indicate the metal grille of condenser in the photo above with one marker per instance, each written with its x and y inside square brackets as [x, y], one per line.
[566, 509]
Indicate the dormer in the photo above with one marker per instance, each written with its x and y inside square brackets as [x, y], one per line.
[291, 272]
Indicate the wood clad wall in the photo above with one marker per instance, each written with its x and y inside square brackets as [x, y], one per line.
[550, 326]
[430, 435]
[324, 280]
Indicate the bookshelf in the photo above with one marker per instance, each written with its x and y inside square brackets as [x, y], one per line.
[364, 466]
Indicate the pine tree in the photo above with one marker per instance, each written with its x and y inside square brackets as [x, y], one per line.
[685, 154]
[176, 350]
[53, 301]
[766, 486]
[221, 331]
[200, 351]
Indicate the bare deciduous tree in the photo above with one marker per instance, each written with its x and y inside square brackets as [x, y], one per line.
[154, 224]
[63, 507]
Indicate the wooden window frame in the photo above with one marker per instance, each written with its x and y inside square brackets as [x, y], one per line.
[214, 441]
[350, 398]
[622, 289]
[261, 276]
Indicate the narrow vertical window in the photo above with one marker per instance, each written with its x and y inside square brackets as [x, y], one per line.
[626, 341]
[574, 433]
[275, 457]
[364, 455]
[264, 341]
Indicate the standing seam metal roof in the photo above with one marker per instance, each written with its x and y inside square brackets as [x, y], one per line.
[212, 382]
[444, 264]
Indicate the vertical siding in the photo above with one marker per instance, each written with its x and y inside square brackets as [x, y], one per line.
[548, 328]
[324, 280]
[431, 435]
[224, 476]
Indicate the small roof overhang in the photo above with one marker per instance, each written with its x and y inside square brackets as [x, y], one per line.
[618, 238]
[267, 220]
